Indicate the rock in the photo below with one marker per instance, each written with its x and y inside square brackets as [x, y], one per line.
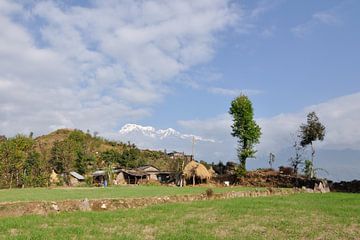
[309, 190]
[322, 187]
[326, 187]
[55, 207]
[103, 206]
[85, 205]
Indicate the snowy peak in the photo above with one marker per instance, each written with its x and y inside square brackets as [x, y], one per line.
[167, 133]
[134, 128]
[131, 129]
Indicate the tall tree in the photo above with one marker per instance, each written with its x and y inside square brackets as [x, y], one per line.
[245, 129]
[20, 165]
[63, 158]
[310, 132]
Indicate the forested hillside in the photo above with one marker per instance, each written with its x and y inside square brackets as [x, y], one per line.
[28, 162]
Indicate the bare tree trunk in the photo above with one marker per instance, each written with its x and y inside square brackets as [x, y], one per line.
[17, 179]
[11, 178]
[193, 180]
[312, 160]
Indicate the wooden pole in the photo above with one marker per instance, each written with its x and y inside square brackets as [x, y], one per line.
[193, 148]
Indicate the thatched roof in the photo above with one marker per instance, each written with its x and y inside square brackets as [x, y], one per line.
[54, 177]
[197, 169]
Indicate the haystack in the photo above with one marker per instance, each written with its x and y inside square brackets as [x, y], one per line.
[54, 179]
[195, 170]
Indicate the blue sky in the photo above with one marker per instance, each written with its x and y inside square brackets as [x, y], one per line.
[290, 71]
[100, 65]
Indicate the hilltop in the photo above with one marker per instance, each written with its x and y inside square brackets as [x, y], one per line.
[28, 162]
[98, 145]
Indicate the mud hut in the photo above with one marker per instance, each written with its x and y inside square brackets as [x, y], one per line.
[196, 173]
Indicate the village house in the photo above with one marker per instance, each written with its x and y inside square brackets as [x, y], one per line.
[133, 176]
[175, 155]
[76, 178]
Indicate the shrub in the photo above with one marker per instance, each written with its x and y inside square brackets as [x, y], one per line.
[209, 192]
[286, 170]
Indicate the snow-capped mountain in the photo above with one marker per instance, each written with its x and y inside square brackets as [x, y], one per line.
[148, 131]
[148, 137]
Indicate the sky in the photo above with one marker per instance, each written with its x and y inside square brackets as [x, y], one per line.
[101, 65]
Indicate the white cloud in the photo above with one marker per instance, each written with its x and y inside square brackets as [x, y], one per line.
[326, 18]
[100, 65]
[263, 7]
[341, 117]
[320, 18]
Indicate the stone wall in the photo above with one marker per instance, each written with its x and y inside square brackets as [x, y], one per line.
[43, 208]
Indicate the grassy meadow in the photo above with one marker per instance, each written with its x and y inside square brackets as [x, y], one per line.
[298, 216]
[48, 194]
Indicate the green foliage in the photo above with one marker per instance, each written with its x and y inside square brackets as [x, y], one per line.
[20, 164]
[131, 158]
[27, 161]
[244, 128]
[311, 131]
[112, 156]
[63, 157]
[308, 168]
[240, 172]
[74, 153]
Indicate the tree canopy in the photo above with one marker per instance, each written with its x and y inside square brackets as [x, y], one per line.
[244, 128]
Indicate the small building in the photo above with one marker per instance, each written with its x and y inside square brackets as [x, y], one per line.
[99, 176]
[175, 155]
[134, 176]
[76, 178]
[152, 172]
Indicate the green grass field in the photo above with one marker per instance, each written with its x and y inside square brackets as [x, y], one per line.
[45, 194]
[299, 216]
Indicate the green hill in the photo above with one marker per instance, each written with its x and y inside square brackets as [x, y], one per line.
[25, 161]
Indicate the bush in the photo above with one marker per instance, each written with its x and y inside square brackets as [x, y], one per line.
[240, 172]
[286, 170]
[89, 181]
[209, 192]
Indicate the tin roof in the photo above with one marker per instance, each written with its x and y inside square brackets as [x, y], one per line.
[77, 176]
